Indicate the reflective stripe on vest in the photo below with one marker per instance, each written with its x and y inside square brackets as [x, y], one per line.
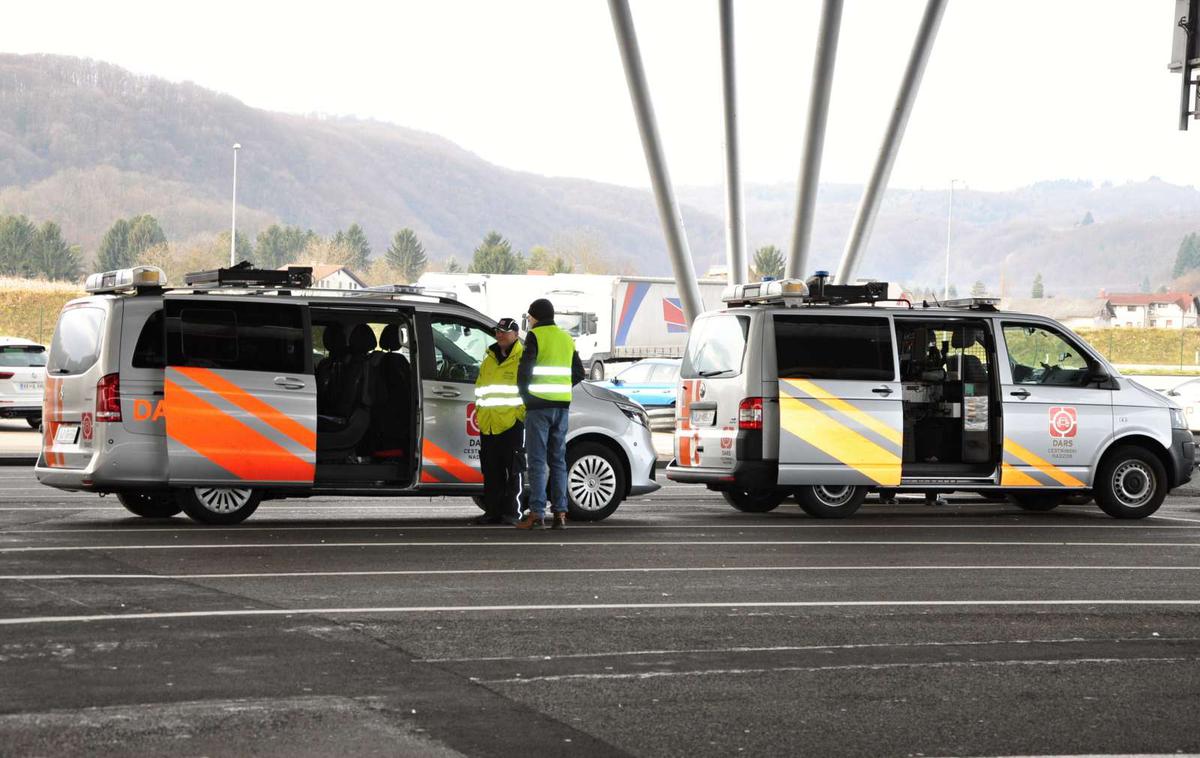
[552, 372]
[498, 404]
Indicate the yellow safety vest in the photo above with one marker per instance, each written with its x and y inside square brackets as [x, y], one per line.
[498, 404]
[551, 378]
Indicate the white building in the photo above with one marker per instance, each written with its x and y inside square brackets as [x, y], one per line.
[1162, 310]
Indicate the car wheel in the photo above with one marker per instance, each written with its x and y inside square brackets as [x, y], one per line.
[831, 500]
[1037, 501]
[595, 482]
[754, 501]
[596, 372]
[479, 501]
[34, 423]
[158, 505]
[219, 505]
[1130, 483]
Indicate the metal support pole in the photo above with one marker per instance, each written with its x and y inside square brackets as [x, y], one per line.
[664, 196]
[233, 213]
[949, 226]
[868, 207]
[814, 138]
[735, 223]
[1189, 52]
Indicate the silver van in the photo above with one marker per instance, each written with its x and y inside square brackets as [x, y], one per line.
[245, 385]
[828, 392]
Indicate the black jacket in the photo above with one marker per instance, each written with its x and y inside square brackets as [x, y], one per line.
[525, 372]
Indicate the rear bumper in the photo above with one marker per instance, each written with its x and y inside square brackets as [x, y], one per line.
[1183, 456]
[21, 410]
[743, 475]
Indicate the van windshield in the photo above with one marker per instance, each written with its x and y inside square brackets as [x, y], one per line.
[716, 346]
[76, 344]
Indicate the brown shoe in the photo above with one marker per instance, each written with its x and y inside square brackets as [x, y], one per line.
[560, 521]
[531, 521]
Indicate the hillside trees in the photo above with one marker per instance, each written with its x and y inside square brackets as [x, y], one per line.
[126, 239]
[768, 261]
[278, 245]
[1187, 258]
[355, 241]
[495, 256]
[406, 255]
[31, 251]
[541, 259]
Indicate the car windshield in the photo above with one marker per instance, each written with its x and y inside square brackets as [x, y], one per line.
[23, 356]
[571, 323]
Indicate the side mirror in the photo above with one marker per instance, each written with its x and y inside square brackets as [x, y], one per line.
[617, 381]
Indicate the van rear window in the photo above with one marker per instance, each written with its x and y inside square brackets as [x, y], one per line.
[76, 343]
[833, 347]
[716, 347]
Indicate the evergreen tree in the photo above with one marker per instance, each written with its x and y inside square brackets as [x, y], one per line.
[242, 249]
[495, 256]
[1039, 288]
[1087, 220]
[406, 255]
[355, 240]
[114, 250]
[144, 233]
[768, 261]
[453, 266]
[1188, 257]
[541, 259]
[1145, 285]
[278, 245]
[54, 257]
[17, 239]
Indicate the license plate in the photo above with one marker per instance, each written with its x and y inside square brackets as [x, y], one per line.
[704, 418]
[29, 387]
[66, 435]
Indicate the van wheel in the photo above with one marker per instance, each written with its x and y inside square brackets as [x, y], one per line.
[754, 501]
[831, 501]
[34, 423]
[1131, 483]
[596, 372]
[595, 482]
[1036, 501]
[161, 505]
[219, 505]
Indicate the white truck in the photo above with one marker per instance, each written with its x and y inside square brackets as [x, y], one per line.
[612, 318]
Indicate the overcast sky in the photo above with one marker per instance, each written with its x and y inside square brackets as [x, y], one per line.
[1016, 90]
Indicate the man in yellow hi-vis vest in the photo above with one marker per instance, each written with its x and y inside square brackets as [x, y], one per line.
[549, 368]
[499, 414]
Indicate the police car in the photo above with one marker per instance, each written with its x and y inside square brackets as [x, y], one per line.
[827, 392]
[246, 384]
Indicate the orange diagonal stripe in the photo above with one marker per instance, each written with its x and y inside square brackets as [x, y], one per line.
[227, 442]
[279, 421]
[448, 463]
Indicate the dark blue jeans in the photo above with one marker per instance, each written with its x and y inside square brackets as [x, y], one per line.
[546, 448]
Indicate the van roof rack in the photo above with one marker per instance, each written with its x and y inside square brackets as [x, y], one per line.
[244, 274]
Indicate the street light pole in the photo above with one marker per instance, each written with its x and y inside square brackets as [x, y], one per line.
[949, 223]
[233, 212]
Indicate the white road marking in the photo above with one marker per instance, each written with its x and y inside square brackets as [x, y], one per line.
[535, 542]
[416, 609]
[814, 669]
[622, 570]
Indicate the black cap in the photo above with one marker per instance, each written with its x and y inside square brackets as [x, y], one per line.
[507, 325]
[541, 309]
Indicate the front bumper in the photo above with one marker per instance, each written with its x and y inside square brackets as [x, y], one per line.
[1183, 456]
[641, 463]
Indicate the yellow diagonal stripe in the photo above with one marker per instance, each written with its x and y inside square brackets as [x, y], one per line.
[1047, 468]
[868, 421]
[840, 442]
[1010, 476]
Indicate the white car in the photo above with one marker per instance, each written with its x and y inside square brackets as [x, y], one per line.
[1187, 395]
[22, 377]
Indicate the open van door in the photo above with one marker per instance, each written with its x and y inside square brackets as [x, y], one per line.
[240, 398]
[451, 349]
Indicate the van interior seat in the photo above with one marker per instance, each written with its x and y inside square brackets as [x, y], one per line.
[391, 423]
[345, 419]
[971, 368]
[334, 340]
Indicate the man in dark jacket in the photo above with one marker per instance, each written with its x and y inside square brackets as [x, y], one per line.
[549, 368]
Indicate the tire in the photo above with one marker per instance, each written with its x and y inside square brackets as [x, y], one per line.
[754, 501]
[218, 505]
[479, 501]
[1037, 501]
[34, 423]
[1131, 482]
[831, 501]
[596, 371]
[158, 505]
[596, 482]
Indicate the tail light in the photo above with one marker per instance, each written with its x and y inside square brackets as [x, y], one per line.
[108, 398]
[750, 413]
[6, 375]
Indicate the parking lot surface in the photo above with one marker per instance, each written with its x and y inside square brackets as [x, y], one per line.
[676, 627]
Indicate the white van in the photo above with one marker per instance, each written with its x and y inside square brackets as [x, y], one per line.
[826, 393]
[246, 385]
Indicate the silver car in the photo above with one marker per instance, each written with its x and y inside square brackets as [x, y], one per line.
[246, 385]
[22, 373]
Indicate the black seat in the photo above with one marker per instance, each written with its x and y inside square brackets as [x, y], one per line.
[971, 369]
[334, 340]
[391, 424]
[346, 418]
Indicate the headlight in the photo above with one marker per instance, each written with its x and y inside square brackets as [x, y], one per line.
[636, 415]
[1178, 419]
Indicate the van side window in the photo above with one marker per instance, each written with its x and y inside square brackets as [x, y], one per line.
[834, 347]
[1037, 355]
[233, 335]
[716, 347]
[458, 348]
[148, 353]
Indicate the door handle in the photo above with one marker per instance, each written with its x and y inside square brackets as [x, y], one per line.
[446, 392]
[290, 382]
[882, 390]
[1020, 393]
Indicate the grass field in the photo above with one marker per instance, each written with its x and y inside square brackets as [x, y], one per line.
[29, 308]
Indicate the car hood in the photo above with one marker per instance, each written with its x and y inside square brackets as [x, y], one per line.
[603, 393]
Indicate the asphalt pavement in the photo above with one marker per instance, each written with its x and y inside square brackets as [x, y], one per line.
[676, 627]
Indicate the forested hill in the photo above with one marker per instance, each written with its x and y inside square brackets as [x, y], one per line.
[85, 143]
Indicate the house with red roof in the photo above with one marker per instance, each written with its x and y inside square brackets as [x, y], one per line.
[1157, 310]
